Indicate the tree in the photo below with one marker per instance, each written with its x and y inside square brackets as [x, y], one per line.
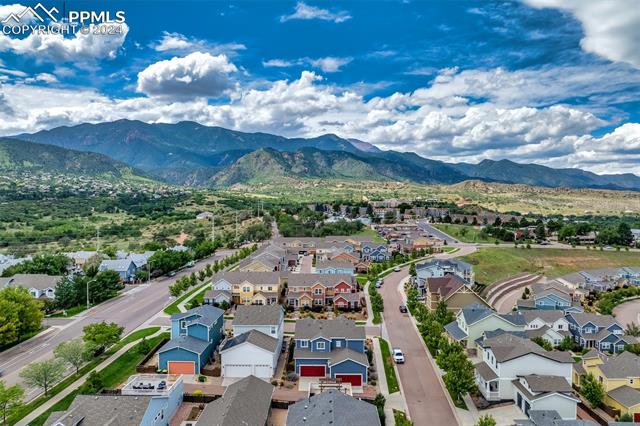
[412, 270]
[379, 402]
[43, 374]
[626, 418]
[543, 343]
[443, 315]
[99, 336]
[540, 232]
[460, 378]
[23, 314]
[10, 399]
[486, 420]
[92, 385]
[566, 344]
[47, 263]
[67, 293]
[633, 330]
[592, 390]
[73, 352]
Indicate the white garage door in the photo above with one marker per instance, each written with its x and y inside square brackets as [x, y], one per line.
[264, 371]
[237, 370]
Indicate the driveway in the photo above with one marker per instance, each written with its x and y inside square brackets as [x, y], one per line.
[425, 398]
[130, 310]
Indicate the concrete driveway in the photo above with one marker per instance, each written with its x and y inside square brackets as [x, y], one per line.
[425, 398]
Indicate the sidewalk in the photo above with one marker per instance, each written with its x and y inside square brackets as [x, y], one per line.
[75, 385]
[394, 401]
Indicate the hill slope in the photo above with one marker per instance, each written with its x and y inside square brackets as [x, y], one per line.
[21, 156]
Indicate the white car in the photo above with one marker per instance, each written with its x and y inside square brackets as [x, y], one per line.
[396, 269]
[398, 356]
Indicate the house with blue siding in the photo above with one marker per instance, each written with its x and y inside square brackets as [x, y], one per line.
[375, 252]
[331, 348]
[334, 267]
[550, 296]
[601, 332]
[126, 268]
[195, 335]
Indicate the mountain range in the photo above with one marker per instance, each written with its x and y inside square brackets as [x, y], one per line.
[194, 154]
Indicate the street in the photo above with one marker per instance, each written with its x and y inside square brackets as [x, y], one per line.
[130, 310]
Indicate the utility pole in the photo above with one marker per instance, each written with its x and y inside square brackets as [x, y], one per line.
[98, 237]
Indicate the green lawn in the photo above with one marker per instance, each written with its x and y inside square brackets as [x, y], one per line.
[464, 233]
[401, 418]
[26, 409]
[493, 264]
[173, 307]
[389, 371]
[71, 311]
[113, 375]
[368, 232]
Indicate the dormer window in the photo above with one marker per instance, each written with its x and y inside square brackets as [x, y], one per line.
[320, 346]
[304, 343]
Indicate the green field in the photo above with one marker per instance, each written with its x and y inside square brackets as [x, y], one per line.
[368, 232]
[464, 233]
[493, 264]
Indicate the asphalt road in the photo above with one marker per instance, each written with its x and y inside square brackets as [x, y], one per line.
[425, 397]
[431, 230]
[131, 310]
[628, 312]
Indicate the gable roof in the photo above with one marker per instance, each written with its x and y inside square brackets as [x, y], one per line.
[546, 315]
[332, 408]
[308, 328]
[551, 418]
[206, 315]
[255, 338]
[118, 265]
[621, 366]
[507, 346]
[245, 402]
[100, 410]
[39, 281]
[338, 264]
[237, 277]
[188, 343]
[582, 318]
[626, 395]
[542, 383]
[328, 280]
[258, 315]
[475, 312]
[445, 286]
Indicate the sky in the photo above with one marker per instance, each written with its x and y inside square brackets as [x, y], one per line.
[552, 82]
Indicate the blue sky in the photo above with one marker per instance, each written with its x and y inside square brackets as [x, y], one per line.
[546, 81]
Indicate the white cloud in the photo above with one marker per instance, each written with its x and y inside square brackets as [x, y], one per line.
[176, 42]
[195, 75]
[307, 12]
[57, 48]
[611, 28]
[447, 127]
[328, 64]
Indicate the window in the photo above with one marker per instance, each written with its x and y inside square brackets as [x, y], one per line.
[338, 344]
[320, 346]
[560, 326]
[630, 381]
[246, 289]
[273, 330]
[304, 343]
[183, 325]
[270, 288]
[317, 291]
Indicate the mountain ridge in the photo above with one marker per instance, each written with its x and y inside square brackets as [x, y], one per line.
[191, 153]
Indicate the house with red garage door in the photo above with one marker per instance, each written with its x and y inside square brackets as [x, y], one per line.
[195, 334]
[331, 348]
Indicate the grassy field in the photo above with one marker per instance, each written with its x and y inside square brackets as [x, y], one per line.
[466, 234]
[368, 232]
[493, 264]
[389, 371]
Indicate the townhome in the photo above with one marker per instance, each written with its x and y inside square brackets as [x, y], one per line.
[39, 285]
[631, 275]
[601, 332]
[472, 321]
[551, 325]
[551, 296]
[323, 290]
[268, 259]
[334, 267]
[517, 369]
[245, 402]
[374, 252]
[151, 406]
[452, 290]
[344, 256]
[246, 288]
[435, 268]
[594, 279]
[195, 334]
[620, 378]
[332, 408]
[331, 348]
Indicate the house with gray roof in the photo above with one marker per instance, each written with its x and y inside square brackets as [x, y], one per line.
[126, 268]
[437, 268]
[331, 348]
[252, 353]
[268, 319]
[245, 402]
[195, 335]
[475, 319]
[601, 332]
[334, 267]
[508, 358]
[38, 285]
[332, 408]
[551, 418]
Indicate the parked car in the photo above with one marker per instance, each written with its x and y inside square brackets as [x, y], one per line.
[378, 284]
[398, 356]
[396, 269]
[172, 274]
[403, 309]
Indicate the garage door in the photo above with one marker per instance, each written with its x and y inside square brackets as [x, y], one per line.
[636, 417]
[181, 367]
[237, 370]
[312, 370]
[354, 379]
[264, 371]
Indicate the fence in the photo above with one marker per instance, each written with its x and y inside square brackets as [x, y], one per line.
[150, 369]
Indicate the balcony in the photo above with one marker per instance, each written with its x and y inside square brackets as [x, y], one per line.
[151, 384]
